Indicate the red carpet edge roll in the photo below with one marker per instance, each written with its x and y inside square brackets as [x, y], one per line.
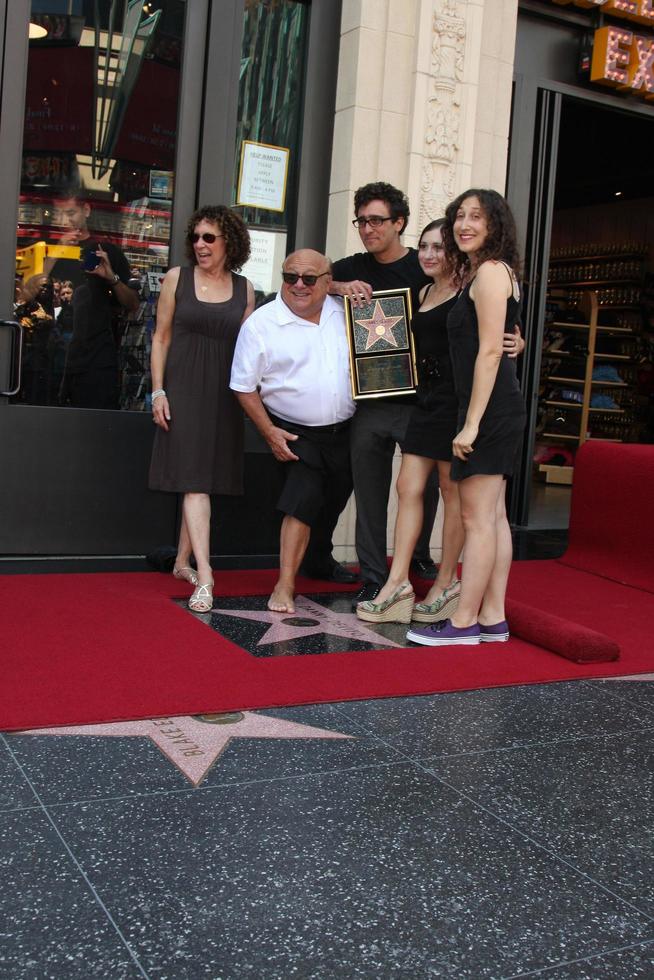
[562, 636]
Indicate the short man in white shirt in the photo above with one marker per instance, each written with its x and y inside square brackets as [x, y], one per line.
[291, 375]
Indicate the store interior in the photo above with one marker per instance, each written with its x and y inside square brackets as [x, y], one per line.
[597, 362]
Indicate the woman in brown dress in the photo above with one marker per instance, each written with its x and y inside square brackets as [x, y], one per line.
[198, 446]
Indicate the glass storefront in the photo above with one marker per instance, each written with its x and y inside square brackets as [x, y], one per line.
[135, 114]
[97, 175]
[270, 100]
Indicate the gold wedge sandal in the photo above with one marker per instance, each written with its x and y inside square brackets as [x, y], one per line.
[441, 608]
[396, 609]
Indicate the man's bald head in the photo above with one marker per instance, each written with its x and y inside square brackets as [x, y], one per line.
[308, 255]
[306, 299]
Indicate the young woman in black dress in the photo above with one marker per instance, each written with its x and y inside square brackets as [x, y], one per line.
[426, 445]
[480, 246]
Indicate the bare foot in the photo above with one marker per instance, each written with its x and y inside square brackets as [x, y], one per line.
[281, 600]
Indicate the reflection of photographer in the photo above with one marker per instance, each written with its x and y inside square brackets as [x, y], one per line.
[101, 293]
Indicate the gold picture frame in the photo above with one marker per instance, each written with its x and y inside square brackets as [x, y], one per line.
[380, 342]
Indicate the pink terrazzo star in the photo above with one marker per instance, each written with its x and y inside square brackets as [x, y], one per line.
[379, 326]
[193, 745]
[325, 621]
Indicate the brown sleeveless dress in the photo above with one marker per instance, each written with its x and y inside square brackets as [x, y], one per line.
[203, 450]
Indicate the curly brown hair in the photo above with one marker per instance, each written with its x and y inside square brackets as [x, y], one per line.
[501, 241]
[232, 226]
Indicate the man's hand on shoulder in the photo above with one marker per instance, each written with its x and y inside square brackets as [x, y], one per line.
[513, 343]
[278, 440]
[358, 291]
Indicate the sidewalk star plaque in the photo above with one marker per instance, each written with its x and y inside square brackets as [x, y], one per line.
[382, 353]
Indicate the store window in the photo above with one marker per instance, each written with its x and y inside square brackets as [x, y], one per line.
[597, 361]
[97, 183]
[268, 134]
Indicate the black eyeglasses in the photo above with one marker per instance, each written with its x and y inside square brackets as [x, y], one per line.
[375, 221]
[207, 236]
[309, 280]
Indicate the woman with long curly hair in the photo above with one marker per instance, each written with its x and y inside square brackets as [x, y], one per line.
[427, 445]
[480, 248]
[198, 447]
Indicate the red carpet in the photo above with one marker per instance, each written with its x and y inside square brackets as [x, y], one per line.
[82, 649]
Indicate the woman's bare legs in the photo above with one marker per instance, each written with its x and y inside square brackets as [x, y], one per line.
[480, 496]
[411, 482]
[195, 523]
[453, 534]
[184, 549]
[492, 607]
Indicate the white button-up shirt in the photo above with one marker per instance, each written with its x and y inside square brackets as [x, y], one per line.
[302, 369]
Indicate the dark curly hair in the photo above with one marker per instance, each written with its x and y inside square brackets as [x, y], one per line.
[398, 203]
[501, 241]
[232, 226]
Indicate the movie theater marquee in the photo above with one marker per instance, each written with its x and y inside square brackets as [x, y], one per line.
[623, 58]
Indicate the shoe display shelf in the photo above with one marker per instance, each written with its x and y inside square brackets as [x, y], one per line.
[587, 372]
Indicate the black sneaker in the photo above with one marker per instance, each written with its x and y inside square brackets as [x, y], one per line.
[424, 568]
[334, 571]
[368, 591]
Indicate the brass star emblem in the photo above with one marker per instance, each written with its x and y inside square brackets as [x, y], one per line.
[379, 326]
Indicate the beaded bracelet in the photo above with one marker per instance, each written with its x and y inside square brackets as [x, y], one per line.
[157, 394]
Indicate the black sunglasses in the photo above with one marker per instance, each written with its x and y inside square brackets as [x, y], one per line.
[207, 236]
[309, 280]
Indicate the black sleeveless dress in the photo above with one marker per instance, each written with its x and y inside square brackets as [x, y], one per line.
[503, 422]
[432, 423]
[203, 450]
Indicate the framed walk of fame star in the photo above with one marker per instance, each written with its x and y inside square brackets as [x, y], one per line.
[382, 353]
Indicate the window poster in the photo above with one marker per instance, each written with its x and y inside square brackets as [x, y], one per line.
[262, 176]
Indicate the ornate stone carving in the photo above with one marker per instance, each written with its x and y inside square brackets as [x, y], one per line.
[443, 109]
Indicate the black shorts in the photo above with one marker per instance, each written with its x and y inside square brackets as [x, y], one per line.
[322, 473]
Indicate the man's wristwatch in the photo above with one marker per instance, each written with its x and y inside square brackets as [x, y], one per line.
[115, 279]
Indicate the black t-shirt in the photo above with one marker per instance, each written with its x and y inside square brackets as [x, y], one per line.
[385, 275]
[92, 345]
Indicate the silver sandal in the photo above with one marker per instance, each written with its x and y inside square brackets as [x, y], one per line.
[202, 599]
[186, 574]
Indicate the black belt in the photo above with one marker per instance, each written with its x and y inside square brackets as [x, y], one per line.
[333, 427]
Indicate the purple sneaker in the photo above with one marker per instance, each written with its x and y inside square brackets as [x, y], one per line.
[499, 633]
[443, 634]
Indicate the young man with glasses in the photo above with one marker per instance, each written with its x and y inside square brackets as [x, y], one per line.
[382, 214]
[291, 375]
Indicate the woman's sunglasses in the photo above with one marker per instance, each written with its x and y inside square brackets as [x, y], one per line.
[309, 280]
[207, 237]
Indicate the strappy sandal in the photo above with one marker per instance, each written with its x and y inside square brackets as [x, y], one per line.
[202, 599]
[441, 608]
[396, 609]
[186, 574]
